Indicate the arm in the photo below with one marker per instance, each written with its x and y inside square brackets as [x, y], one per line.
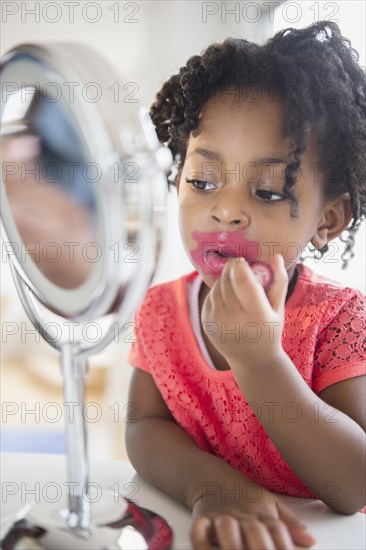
[325, 446]
[320, 437]
[165, 455]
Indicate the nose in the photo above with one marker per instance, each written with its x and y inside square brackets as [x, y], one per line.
[230, 209]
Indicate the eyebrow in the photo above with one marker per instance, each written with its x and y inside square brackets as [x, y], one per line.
[207, 153]
[214, 155]
[271, 160]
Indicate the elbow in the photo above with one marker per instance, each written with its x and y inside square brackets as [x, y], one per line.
[347, 504]
[347, 496]
[346, 509]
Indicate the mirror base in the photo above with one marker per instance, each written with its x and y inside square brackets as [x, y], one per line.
[116, 524]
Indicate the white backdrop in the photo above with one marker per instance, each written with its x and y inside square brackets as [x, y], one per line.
[145, 42]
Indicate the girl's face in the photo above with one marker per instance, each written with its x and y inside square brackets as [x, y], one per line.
[230, 189]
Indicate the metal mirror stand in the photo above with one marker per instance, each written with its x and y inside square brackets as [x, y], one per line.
[126, 211]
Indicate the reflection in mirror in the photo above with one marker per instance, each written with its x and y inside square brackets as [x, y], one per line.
[49, 186]
[134, 528]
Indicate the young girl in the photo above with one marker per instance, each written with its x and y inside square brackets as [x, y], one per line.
[246, 389]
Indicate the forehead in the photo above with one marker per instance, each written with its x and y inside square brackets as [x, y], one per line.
[225, 114]
[238, 128]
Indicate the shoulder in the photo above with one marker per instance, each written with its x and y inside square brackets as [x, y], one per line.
[317, 292]
[320, 305]
[324, 329]
[165, 297]
[161, 324]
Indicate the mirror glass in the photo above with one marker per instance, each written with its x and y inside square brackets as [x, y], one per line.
[48, 177]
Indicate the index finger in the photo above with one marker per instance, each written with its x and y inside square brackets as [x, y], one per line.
[242, 277]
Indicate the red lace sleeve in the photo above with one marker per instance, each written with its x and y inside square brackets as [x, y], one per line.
[341, 350]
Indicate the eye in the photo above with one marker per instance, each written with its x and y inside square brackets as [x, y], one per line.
[199, 185]
[270, 196]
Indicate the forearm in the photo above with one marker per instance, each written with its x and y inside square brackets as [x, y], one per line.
[324, 447]
[166, 456]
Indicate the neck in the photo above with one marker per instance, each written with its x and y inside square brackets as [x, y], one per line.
[293, 275]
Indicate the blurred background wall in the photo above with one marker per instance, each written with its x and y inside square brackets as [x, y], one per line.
[145, 42]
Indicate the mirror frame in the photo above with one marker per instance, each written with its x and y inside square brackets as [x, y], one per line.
[111, 133]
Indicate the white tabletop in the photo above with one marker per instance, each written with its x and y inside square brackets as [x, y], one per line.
[38, 476]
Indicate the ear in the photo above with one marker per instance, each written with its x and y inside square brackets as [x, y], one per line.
[335, 217]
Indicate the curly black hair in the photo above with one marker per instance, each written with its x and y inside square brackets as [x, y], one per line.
[314, 72]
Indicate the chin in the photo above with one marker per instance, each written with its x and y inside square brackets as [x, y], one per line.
[209, 280]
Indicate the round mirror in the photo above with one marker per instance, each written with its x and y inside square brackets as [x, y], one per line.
[82, 186]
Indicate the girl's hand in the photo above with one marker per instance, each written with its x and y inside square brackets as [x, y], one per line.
[265, 525]
[242, 321]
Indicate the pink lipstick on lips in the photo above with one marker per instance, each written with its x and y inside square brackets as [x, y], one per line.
[216, 248]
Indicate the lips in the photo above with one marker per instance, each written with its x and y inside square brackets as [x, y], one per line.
[216, 248]
[216, 261]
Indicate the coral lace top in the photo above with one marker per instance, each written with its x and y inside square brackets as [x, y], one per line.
[324, 335]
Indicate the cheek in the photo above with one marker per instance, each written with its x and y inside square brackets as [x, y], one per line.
[277, 243]
[291, 252]
[293, 245]
[187, 224]
[190, 213]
